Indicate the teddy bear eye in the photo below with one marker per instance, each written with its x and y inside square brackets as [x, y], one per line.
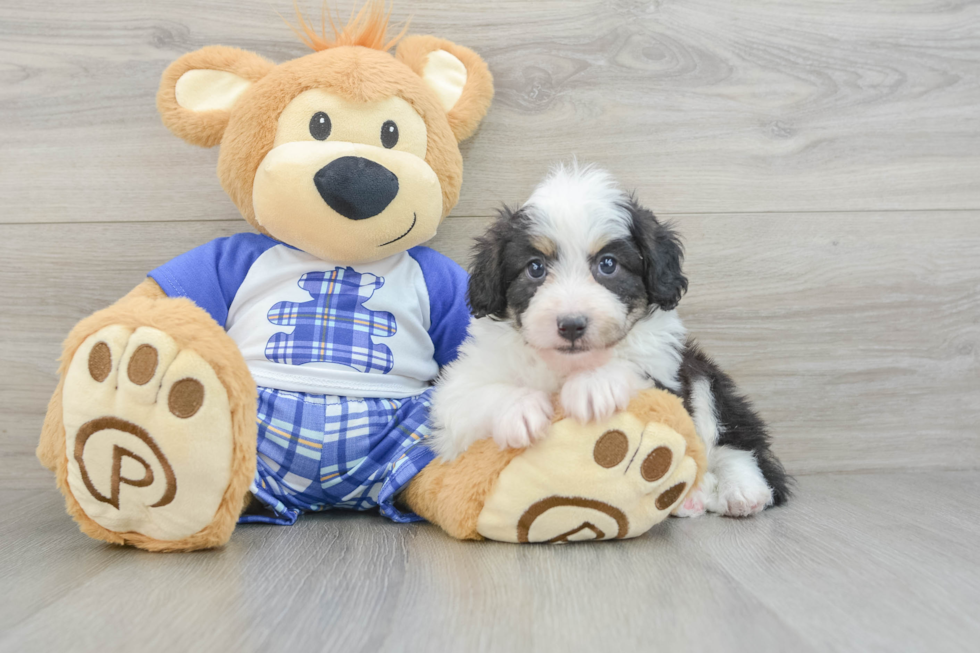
[320, 126]
[389, 134]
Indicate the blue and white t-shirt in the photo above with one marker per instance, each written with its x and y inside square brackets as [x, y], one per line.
[379, 329]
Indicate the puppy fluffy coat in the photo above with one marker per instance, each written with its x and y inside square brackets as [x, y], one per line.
[574, 295]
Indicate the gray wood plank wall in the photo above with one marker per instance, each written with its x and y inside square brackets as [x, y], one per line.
[822, 160]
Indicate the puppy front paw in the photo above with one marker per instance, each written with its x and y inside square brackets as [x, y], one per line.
[596, 394]
[524, 420]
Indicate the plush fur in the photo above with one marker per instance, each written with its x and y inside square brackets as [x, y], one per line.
[367, 28]
[354, 72]
[468, 112]
[576, 292]
[205, 129]
[192, 328]
[236, 99]
[452, 495]
[666, 408]
[240, 101]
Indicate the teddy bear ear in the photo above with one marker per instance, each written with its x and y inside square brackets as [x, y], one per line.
[457, 75]
[198, 91]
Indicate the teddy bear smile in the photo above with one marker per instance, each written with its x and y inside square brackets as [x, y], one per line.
[415, 219]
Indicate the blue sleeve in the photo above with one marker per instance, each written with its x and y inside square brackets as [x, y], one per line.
[210, 275]
[449, 315]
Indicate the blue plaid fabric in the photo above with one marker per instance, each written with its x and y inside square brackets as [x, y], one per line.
[333, 327]
[317, 452]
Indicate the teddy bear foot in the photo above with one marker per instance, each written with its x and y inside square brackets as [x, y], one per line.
[148, 442]
[609, 480]
[599, 481]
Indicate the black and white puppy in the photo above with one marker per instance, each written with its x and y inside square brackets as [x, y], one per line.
[574, 293]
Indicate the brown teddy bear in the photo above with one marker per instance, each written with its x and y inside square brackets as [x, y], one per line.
[291, 369]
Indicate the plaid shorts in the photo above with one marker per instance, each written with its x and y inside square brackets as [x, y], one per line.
[317, 452]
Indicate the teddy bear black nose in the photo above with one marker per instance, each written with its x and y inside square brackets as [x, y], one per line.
[355, 187]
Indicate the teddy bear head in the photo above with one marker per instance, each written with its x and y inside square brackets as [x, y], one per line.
[350, 153]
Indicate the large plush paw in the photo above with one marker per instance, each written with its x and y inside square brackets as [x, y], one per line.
[148, 434]
[608, 480]
[524, 420]
[594, 395]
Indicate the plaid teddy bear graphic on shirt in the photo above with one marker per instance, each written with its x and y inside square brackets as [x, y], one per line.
[335, 326]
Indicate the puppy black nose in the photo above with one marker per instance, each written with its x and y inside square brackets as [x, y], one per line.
[355, 187]
[572, 327]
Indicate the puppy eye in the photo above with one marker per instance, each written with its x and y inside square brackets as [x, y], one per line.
[607, 265]
[320, 126]
[389, 134]
[536, 269]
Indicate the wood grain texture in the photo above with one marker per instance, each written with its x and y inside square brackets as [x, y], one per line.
[821, 160]
[857, 339]
[831, 571]
[702, 105]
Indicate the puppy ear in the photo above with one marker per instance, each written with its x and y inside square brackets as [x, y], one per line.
[487, 294]
[198, 91]
[663, 257]
[457, 75]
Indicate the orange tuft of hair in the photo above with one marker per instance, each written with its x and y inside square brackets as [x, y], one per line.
[368, 28]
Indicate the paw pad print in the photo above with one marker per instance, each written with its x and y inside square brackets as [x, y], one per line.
[607, 480]
[612, 448]
[148, 434]
[334, 326]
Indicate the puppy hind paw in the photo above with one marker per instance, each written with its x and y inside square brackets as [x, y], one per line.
[737, 501]
[693, 505]
[735, 487]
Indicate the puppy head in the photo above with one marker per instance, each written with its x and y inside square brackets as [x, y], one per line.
[577, 266]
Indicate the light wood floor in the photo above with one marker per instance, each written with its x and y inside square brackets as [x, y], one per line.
[821, 160]
[859, 562]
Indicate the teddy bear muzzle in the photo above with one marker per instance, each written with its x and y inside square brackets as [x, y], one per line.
[346, 202]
